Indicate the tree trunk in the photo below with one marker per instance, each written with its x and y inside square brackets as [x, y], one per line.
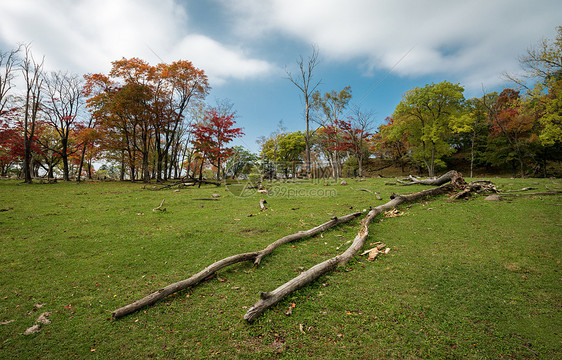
[81, 165]
[213, 268]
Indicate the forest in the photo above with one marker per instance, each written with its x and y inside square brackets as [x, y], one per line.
[147, 123]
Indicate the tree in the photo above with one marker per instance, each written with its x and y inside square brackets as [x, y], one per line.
[241, 162]
[391, 141]
[63, 104]
[139, 109]
[212, 136]
[356, 133]
[32, 74]
[285, 150]
[427, 113]
[510, 120]
[330, 108]
[179, 84]
[305, 83]
[543, 63]
[472, 127]
[8, 61]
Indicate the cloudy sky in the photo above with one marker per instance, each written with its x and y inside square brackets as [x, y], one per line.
[379, 48]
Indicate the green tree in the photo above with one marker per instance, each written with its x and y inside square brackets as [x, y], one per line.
[241, 162]
[471, 129]
[427, 114]
[286, 150]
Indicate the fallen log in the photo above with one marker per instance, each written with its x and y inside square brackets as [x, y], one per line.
[255, 256]
[443, 179]
[268, 299]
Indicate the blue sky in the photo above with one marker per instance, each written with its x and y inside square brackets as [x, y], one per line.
[379, 48]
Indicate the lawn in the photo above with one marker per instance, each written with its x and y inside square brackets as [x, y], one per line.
[463, 279]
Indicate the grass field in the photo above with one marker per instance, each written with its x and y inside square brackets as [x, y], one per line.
[465, 279]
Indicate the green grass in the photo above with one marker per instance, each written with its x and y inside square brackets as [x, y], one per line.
[465, 279]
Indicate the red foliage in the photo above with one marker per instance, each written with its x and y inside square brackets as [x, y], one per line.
[213, 134]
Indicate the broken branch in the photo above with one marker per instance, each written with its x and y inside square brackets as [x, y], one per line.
[160, 207]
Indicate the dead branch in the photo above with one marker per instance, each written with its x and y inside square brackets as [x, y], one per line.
[524, 189]
[213, 268]
[207, 199]
[160, 207]
[536, 194]
[268, 299]
[366, 190]
[262, 205]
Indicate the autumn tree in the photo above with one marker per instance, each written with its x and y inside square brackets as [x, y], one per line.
[391, 141]
[141, 107]
[212, 135]
[427, 113]
[542, 64]
[178, 86]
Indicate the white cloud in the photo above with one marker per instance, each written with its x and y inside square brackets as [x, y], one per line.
[219, 61]
[474, 38]
[86, 35]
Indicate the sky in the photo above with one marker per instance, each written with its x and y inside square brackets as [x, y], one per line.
[381, 49]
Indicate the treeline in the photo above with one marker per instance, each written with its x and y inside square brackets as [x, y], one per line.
[513, 131]
[149, 122]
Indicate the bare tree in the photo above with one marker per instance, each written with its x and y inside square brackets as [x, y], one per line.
[361, 127]
[8, 60]
[543, 61]
[64, 101]
[32, 74]
[305, 83]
